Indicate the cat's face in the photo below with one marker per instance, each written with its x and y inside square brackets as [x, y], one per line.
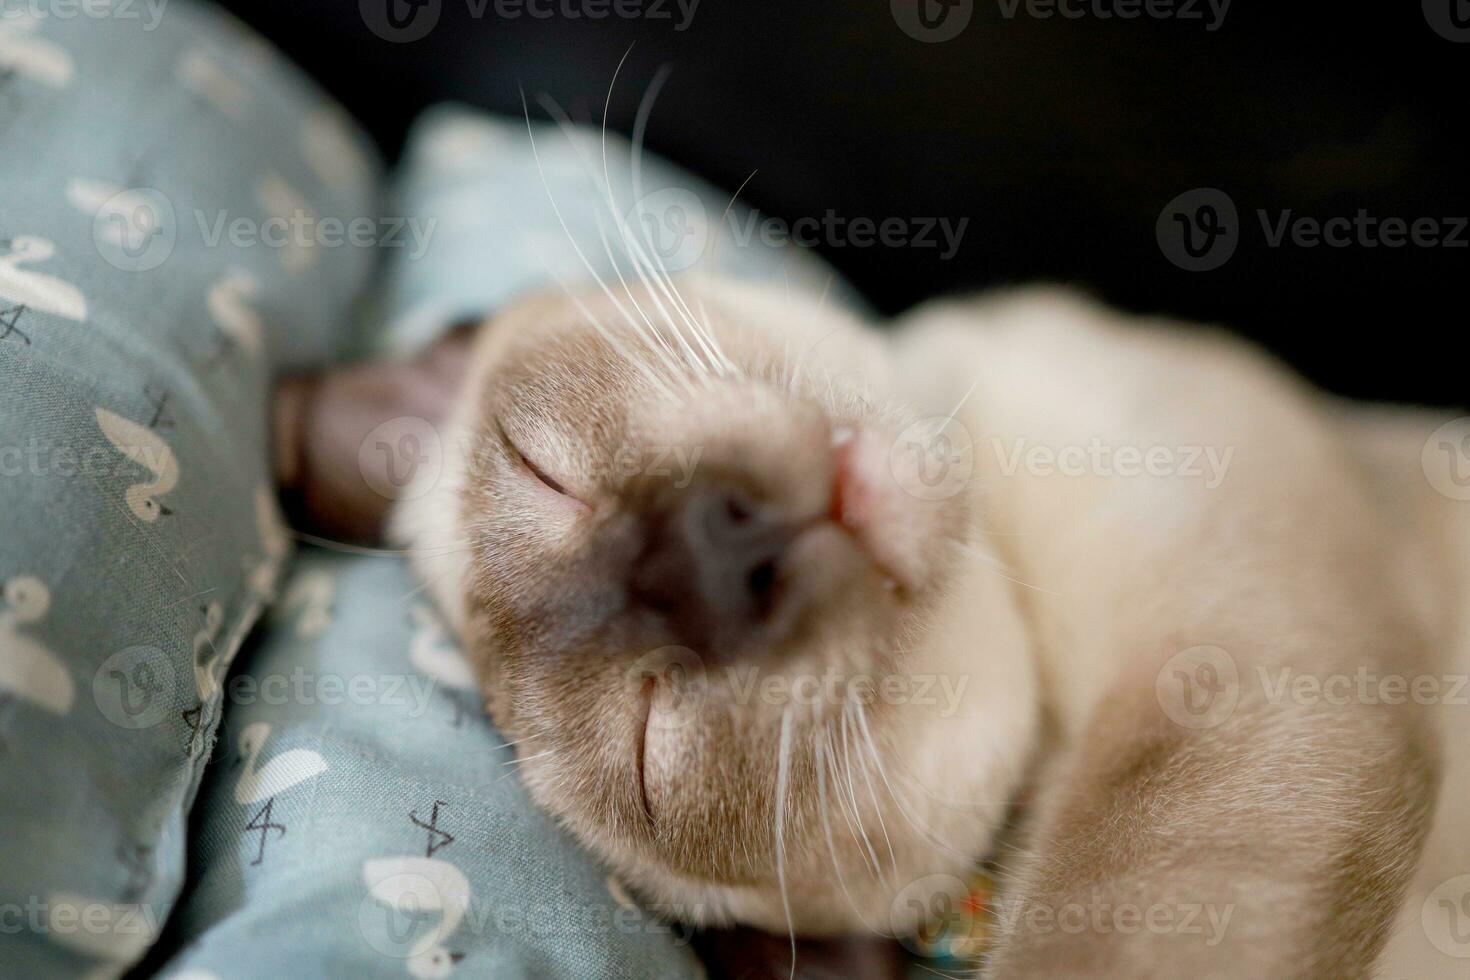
[705, 599]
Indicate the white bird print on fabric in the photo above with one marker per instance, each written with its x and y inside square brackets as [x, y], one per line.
[28, 670]
[32, 57]
[202, 75]
[313, 592]
[25, 289]
[126, 218]
[264, 783]
[282, 772]
[414, 885]
[144, 447]
[228, 305]
[208, 665]
[284, 202]
[435, 653]
[331, 152]
[206, 682]
[264, 569]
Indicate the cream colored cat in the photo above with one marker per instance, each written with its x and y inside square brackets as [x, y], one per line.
[786, 614]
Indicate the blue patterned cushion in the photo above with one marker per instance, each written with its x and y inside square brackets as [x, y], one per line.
[362, 817]
[139, 328]
[386, 834]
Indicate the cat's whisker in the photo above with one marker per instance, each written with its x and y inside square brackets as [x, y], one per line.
[422, 586]
[877, 867]
[823, 736]
[556, 209]
[826, 290]
[873, 796]
[783, 777]
[652, 376]
[368, 550]
[801, 361]
[670, 357]
[640, 130]
[1000, 568]
[898, 799]
[700, 330]
[963, 398]
[631, 245]
[847, 816]
[647, 332]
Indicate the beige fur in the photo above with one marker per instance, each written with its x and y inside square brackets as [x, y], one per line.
[1059, 600]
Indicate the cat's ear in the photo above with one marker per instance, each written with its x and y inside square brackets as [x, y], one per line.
[320, 423]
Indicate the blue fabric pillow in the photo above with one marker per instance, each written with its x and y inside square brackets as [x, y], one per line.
[363, 818]
[146, 297]
[386, 834]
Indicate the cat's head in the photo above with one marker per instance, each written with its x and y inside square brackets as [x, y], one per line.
[736, 630]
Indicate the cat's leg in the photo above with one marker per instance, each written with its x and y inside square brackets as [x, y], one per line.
[1273, 840]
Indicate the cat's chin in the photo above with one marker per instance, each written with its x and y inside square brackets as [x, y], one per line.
[813, 902]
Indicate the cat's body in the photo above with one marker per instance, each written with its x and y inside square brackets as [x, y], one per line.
[1154, 534]
[1323, 552]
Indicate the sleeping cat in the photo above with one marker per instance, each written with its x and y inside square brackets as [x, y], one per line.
[793, 621]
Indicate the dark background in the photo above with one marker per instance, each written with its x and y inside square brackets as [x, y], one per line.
[1062, 140]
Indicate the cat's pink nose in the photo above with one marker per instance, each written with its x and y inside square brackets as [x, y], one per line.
[713, 566]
